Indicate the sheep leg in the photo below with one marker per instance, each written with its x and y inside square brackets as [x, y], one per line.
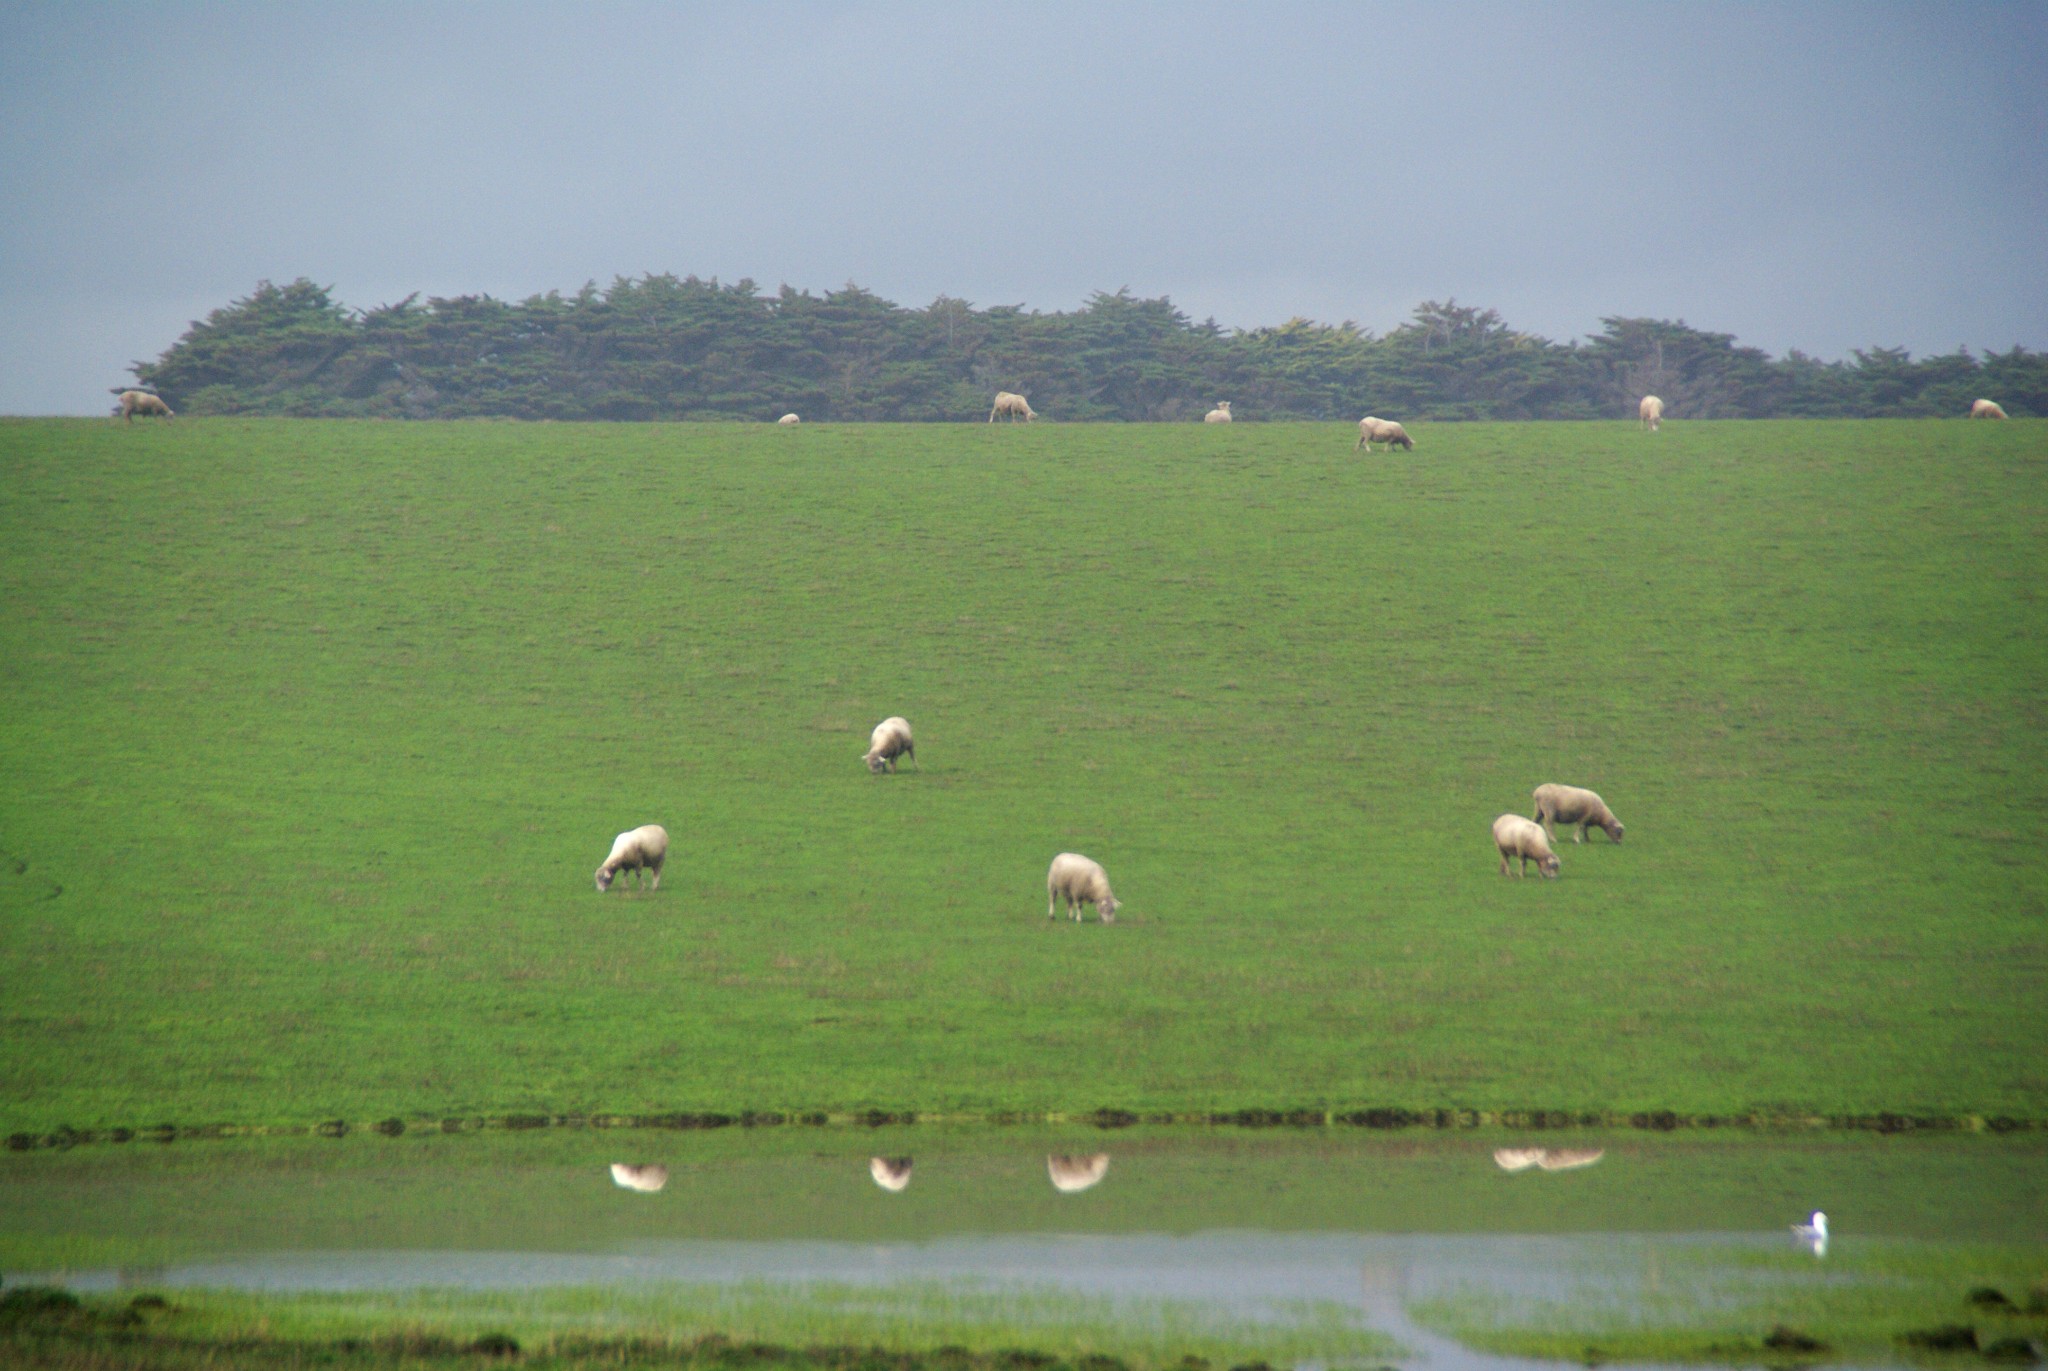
[657, 874]
[1580, 836]
[1503, 863]
[1051, 902]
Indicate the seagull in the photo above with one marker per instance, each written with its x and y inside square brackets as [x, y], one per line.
[1814, 1233]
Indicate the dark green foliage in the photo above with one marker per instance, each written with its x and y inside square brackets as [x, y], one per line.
[1948, 1337]
[1784, 1339]
[663, 347]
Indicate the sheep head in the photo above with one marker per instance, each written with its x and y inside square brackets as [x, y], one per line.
[1548, 865]
[876, 763]
[1109, 906]
[604, 879]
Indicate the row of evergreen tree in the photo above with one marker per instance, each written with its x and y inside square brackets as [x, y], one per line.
[663, 347]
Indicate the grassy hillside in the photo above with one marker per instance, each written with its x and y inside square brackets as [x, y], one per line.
[313, 733]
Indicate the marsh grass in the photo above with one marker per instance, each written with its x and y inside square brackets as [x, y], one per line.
[900, 1328]
[314, 731]
[1714, 1303]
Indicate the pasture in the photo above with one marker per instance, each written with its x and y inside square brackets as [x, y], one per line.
[314, 732]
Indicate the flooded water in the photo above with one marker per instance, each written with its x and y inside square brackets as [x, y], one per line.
[1262, 1229]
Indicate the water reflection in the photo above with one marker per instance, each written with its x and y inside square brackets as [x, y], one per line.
[1072, 1173]
[645, 1179]
[891, 1173]
[1546, 1158]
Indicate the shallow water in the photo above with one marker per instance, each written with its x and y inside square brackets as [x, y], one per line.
[1251, 1226]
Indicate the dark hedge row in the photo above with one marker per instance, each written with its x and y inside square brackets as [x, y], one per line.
[660, 347]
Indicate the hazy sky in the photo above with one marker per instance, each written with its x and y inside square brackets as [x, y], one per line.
[1822, 176]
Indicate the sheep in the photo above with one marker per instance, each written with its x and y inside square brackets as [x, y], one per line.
[645, 1179]
[890, 740]
[1569, 1158]
[1012, 407]
[1218, 415]
[639, 850]
[1079, 881]
[1371, 430]
[1986, 409]
[1516, 836]
[891, 1173]
[1650, 413]
[1547, 1158]
[134, 402]
[1568, 804]
[1074, 1173]
[789, 421]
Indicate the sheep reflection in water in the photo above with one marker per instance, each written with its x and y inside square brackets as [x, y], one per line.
[1546, 1158]
[891, 1173]
[645, 1179]
[1073, 1173]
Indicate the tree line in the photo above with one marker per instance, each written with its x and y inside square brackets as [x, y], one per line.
[667, 347]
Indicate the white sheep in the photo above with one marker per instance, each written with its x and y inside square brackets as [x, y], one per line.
[639, 850]
[1072, 1173]
[1079, 880]
[1568, 804]
[890, 740]
[1218, 415]
[1569, 1158]
[1516, 836]
[1371, 430]
[134, 402]
[1650, 413]
[789, 421]
[1986, 409]
[891, 1173]
[645, 1179]
[1011, 407]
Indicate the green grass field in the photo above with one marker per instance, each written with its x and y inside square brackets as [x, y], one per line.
[312, 734]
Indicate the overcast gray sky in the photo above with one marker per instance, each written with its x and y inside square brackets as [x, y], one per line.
[1822, 176]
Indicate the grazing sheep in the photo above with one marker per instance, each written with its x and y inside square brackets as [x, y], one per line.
[641, 851]
[1986, 409]
[1012, 407]
[1569, 1158]
[1650, 413]
[891, 1173]
[1072, 1173]
[134, 402]
[1516, 836]
[1568, 804]
[645, 1179]
[1218, 415]
[1079, 881]
[1548, 1158]
[890, 740]
[1371, 430]
[789, 421]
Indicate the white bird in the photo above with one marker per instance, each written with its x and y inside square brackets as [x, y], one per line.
[891, 1173]
[1814, 1234]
